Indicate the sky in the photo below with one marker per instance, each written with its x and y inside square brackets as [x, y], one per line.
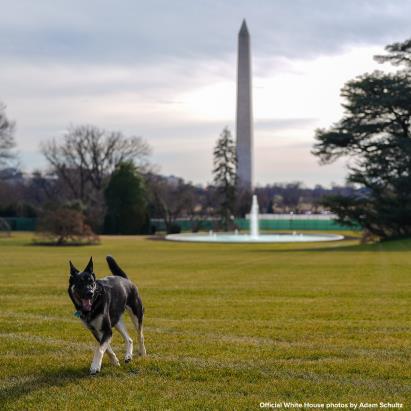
[166, 71]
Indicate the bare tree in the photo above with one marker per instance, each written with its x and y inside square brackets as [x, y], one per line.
[7, 142]
[170, 199]
[87, 155]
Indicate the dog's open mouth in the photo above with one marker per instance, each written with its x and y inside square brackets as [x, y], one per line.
[86, 304]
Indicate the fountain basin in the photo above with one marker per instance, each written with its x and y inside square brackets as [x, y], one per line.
[254, 235]
[247, 238]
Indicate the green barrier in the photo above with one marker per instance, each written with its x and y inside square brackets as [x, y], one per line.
[29, 224]
[21, 224]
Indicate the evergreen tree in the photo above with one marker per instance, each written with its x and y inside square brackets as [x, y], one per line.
[375, 133]
[126, 202]
[224, 171]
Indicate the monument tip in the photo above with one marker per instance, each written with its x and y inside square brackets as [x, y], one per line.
[244, 29]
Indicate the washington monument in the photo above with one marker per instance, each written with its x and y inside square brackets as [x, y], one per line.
[244, 120]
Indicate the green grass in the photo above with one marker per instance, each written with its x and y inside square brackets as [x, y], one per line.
[226, 326]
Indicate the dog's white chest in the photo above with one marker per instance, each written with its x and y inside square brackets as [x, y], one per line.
[95, 325]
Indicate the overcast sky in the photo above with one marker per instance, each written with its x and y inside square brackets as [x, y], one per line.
[166, 70]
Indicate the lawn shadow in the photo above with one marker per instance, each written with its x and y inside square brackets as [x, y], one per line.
[156, 237]
[342, 246]
[45, 379]
[386, 246]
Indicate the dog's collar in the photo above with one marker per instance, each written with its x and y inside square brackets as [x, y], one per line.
[81, 314]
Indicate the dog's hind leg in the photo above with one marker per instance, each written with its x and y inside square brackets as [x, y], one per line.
[113, 357]
[141, 347]
[136, 312]
[121, 328]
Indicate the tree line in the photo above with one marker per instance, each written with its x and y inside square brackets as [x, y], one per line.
[104, 181]
[100, 181]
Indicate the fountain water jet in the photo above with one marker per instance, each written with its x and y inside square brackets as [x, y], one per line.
[254, 220]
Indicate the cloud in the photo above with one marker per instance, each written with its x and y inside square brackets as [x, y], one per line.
[131, 31]
[181, 115]
[284, 123]
[166, 71]
[291, 162]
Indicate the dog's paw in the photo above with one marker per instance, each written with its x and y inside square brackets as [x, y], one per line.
[142, 351]
[128, 358]
[94, 370]
[115, 362]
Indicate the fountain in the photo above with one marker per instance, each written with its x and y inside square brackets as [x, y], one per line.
[254, 235]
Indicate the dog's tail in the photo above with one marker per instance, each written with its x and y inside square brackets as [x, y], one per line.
[114, 268]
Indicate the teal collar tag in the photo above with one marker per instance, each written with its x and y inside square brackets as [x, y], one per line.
[77, 314]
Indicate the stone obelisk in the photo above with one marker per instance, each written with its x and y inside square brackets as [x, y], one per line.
[244, 120]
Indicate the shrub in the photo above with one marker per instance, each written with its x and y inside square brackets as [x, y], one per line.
[65, 226]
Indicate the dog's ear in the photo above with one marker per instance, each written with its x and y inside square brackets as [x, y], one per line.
[73, 270]
[89, 268]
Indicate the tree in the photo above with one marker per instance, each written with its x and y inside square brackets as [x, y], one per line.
[7, 142]
[375, 134]
[84, 159]
[126, 201]
[292, 194]
[398, 54]
[170, 198]
[225, 177]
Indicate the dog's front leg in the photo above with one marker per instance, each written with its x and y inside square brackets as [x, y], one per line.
[99, 353]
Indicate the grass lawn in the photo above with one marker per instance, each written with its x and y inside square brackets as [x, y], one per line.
[226, 326]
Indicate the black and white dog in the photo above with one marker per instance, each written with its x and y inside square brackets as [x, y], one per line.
[100, 305]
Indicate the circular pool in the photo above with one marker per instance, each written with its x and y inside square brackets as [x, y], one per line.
[247, 238]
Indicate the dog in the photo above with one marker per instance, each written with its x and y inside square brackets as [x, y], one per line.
[100, 305]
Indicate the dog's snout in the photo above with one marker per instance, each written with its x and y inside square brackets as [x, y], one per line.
[89, 293]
